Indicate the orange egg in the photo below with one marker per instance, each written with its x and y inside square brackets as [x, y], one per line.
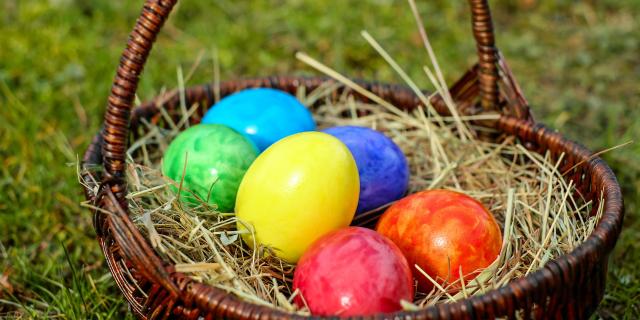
[443, 232]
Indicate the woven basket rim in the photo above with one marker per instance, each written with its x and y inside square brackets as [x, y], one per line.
[597, 246]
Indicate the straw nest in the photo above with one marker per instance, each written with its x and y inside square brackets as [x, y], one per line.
[540, 214]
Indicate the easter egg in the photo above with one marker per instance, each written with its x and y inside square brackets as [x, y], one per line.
[213, 159]
[297, 190]
[353, 271]
[262, 114]
[383, 168]
[443, 232]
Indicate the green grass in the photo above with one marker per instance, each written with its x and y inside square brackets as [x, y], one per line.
[577, 62]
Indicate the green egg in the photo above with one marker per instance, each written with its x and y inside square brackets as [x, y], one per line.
[217, 158]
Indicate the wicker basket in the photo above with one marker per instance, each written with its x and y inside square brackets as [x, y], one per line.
[568, 287]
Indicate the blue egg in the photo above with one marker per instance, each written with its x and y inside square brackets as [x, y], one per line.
[383, 168]
[263, 115]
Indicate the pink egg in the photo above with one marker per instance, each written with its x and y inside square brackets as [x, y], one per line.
[353, 271]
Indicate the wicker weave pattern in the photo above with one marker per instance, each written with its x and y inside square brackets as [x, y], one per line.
[568, 287]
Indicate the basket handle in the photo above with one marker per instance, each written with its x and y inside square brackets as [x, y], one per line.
[123, 90]
[487, 53]
[141, 39]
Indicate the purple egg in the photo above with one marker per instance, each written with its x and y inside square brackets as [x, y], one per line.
[383, 168]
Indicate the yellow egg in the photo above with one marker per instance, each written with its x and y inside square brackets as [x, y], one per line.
[296, 191]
